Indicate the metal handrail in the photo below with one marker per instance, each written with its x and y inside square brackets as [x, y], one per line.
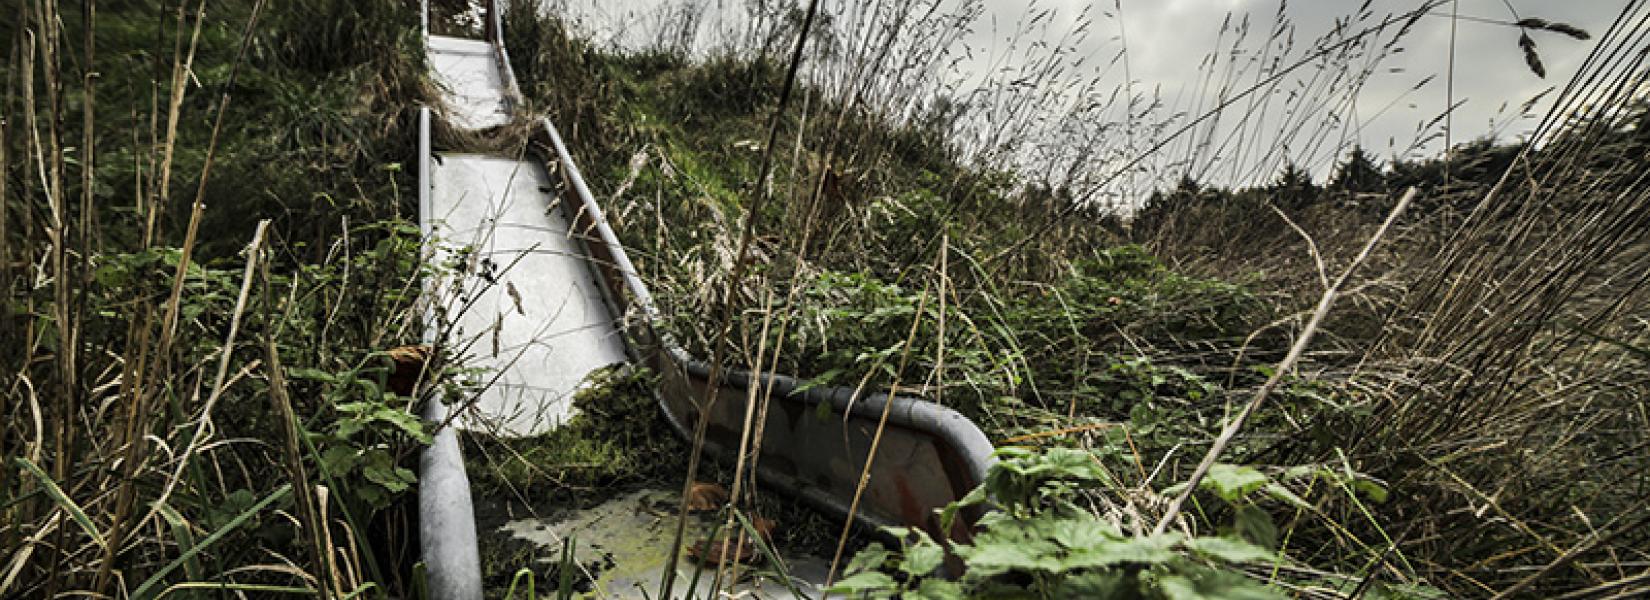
[495, 36]
[446, 512]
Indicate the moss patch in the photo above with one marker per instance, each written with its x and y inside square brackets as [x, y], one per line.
[615, 439]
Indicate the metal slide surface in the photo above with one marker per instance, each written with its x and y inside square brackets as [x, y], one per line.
[543, 326]
[470, 79]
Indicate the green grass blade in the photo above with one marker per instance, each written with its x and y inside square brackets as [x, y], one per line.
[237, 587]
[18, 500]
[761, 544]
[365, 587]
[62, 499]
[564, 590]
[699, 566]
[420, 581]
[370, 559]
[240, 519]
[183, 536]
[515, 582]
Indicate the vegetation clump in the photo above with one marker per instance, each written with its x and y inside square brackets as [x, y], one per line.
[205, 252]
[614, 437]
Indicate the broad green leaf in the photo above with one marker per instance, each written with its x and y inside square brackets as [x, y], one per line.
[406, 422]
[938, 589]
[340, 459]
[1084, 533]
[922, 558]
[1283, 494]
[868, 581]
[1255, 525]
[1148, 550]
[370, 388]
[380, 468]
[1071, 463]
[1374, 491]
[383, 476]
[347, 428]
[1029, 556]
[1109, 584]
[948, 515]
[1230, 549]
[1214, 585]
[870, 558]
[1233, 482]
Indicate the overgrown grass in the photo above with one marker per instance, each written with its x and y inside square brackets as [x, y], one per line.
[1471, 417]
[1457, 397]
[184, 410]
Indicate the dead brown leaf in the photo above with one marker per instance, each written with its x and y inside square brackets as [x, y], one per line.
[409, 364]
[706, 497]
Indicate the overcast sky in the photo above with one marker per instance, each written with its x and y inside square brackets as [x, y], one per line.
[1167, 39]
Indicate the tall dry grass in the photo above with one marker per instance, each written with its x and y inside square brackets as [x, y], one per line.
[169, 425]
[1495, 361]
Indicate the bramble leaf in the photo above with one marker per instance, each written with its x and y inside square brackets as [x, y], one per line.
[1233, 482]
[1230, 549]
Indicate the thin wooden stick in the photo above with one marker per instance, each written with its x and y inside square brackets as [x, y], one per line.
[302, 492]
[253, 251]
[876, 439]
[1283, 367]
[1568, 557]
[753, 212]
[161, 193]
[1057, 432]
[753, 398]
[170, 323]
[136, 443]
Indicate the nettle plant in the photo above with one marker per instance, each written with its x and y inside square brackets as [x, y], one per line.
[1039, 543]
